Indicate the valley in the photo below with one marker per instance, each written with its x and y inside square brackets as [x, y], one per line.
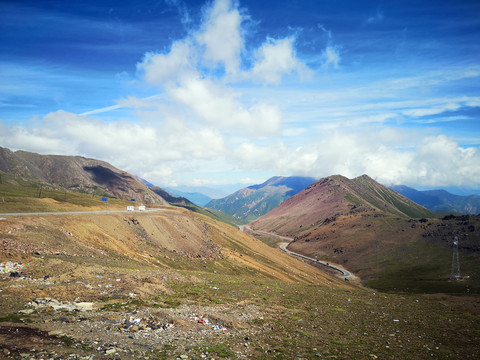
[177, 281]
[239, 179]
[382, 237]
[174, 284]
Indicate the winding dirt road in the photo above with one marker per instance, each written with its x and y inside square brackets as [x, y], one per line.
[77, 212]
[345, 274]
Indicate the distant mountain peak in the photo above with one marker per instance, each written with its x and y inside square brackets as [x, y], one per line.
[337, 195]
[441, 200]
[253, 201]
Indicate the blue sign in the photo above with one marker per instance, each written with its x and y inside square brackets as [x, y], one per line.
[104, 199]
[133, 200]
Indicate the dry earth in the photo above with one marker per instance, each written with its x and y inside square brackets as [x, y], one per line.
[173, 284]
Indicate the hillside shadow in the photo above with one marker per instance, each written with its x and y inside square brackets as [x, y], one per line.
[105, 176]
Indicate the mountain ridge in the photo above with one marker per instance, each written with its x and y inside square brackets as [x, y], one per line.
[256, 200]
[390, 242]
[195, 197]
[336, 195]
[76, 173]
[438, 200]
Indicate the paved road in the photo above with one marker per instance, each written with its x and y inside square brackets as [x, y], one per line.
[76, 212]
[345, 274]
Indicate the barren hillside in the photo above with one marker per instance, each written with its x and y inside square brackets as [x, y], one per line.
[172, 284]
[75, 173]
[375, 233]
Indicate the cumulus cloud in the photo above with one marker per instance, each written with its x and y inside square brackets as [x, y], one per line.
[163, 152]
[175, 66]
[217, 105]
[221, 36]
[208, 96]
[433, 161]
[276, 58]
[440, 161]
[220, 41]
[135, 147]
[208, 116]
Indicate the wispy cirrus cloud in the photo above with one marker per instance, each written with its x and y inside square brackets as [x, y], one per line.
[376, 18]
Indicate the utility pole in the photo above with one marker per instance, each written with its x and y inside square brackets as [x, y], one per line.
[455, 273]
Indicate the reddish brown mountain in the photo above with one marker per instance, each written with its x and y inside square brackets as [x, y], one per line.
[335, 196]
[348, 222]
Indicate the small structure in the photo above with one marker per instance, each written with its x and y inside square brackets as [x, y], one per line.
[455, 273]
[142, 208]
[130, 208]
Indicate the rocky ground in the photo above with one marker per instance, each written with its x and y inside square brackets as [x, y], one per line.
[69, 293]
[104, 314]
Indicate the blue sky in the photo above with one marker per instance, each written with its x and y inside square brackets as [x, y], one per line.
[224, 92]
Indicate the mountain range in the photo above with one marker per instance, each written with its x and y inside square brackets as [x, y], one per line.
[441, 200]
[195, 197]
[372, 230]
[170, 282]
[249, 203]
[337, 196]
[388, 240]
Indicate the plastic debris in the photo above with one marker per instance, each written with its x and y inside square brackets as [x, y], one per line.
[11, 266]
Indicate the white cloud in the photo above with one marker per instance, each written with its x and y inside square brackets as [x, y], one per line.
[221, 36]
[138, 148]
[276, 58]
[276, 157]
[331, 57]
[205, 123]
[439, 161]
[327, 32]
[432, 110]
[176, 66]
[207, 96]
[217, 105]
[163, 152]
[431, 161]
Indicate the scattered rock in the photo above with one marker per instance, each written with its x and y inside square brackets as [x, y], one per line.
[52, 304]
[56, 333]
[26, 311]
[111, 351]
